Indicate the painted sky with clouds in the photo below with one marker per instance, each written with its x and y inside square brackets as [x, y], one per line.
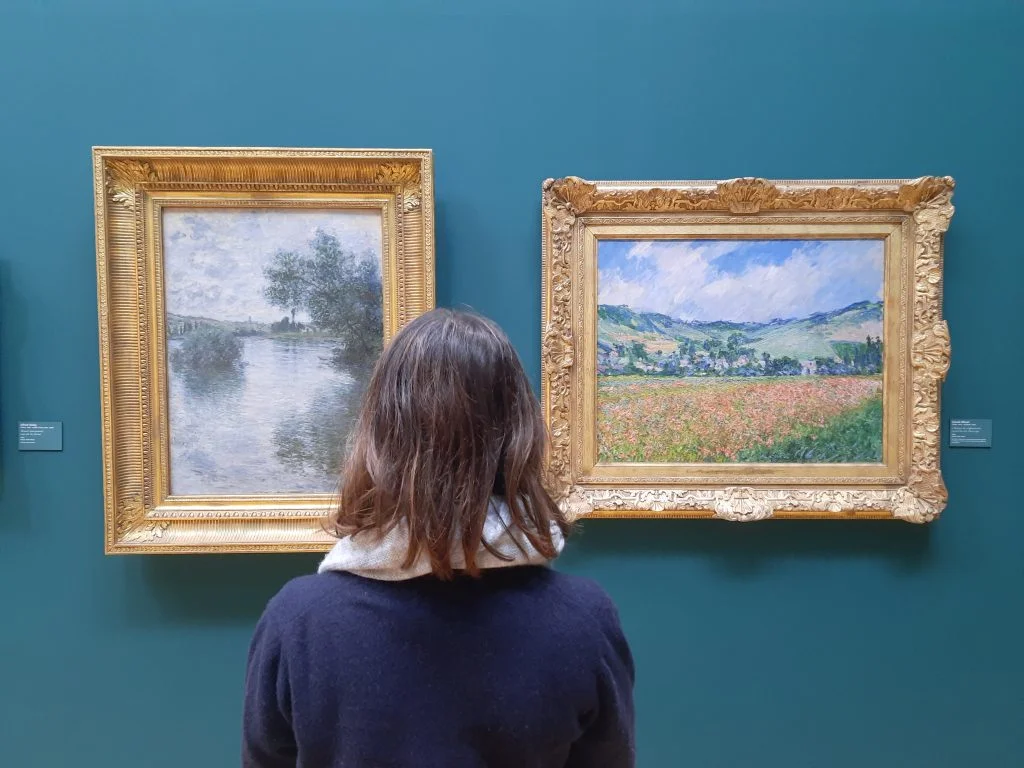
[739, 280]
[214, 259]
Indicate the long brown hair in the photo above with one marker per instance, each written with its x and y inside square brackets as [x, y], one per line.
[448, 421]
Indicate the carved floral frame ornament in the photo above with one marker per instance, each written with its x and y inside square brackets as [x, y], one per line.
[132, 186]
[910, 215]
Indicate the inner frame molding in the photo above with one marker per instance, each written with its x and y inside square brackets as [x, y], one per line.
[910, 216]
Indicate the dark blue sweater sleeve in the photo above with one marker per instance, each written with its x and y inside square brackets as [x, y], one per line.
[609, 739]
[267, 737]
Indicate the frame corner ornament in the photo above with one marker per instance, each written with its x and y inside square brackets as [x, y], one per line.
[123, 175]
[911, 508]
[128, 515]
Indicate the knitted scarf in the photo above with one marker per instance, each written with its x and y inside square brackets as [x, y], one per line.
[382, 558]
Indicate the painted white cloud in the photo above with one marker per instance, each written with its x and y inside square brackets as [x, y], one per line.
[681, 279]
[214, 259]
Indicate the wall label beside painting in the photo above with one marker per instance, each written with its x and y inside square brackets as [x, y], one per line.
[40, 436]
[970, 433]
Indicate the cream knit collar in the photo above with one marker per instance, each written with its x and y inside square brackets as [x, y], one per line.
[382, 558]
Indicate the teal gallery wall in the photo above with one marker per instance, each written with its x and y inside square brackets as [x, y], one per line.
[787, 644]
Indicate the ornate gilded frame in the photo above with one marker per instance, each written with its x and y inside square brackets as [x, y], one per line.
[911, 215]
[132, 184]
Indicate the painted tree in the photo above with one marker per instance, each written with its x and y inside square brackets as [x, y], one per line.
[340, 291]
[286, 286]
[344, 295]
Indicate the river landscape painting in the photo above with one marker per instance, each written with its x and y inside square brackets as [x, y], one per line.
[740, 351]
[274, 319]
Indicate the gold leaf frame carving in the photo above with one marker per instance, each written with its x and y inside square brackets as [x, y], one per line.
[132, 185]
[912, 215]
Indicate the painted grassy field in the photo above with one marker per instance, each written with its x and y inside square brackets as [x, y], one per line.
[807, 419]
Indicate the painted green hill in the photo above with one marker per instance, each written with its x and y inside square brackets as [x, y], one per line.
[800, 338]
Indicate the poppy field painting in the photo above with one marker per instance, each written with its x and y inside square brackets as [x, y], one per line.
[740, 351]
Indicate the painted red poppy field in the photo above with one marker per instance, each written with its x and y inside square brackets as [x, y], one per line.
[804, 419]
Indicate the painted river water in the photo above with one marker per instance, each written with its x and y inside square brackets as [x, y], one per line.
[275, 424]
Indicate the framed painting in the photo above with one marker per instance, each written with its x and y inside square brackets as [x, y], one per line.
[745, 349]
[244, 295]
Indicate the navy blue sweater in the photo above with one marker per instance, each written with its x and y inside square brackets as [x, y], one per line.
[524, 668]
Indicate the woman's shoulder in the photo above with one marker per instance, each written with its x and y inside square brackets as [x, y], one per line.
[583, 596]
[588, 613]
[304, 593]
